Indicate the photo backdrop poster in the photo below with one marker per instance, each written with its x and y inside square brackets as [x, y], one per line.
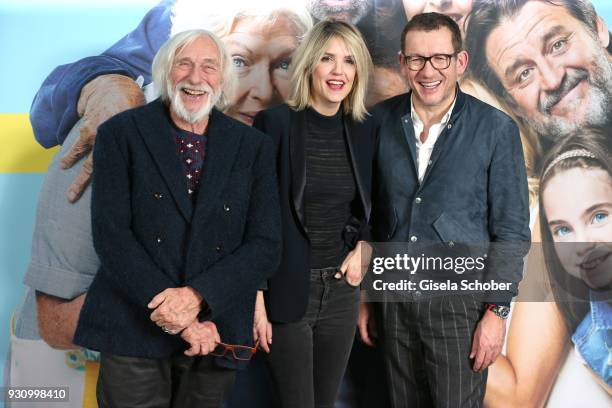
[547, 64]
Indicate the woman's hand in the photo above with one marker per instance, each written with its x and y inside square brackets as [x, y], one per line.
[262, 328]
[355, 265]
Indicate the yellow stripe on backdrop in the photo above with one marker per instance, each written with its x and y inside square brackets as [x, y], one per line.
[19, 151]
[92, 370]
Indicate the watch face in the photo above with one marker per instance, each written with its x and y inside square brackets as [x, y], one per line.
[501, 311]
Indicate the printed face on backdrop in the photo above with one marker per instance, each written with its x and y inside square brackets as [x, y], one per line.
[195, 77]
[351, 11]
[556, 72]
[333, 76]
[432, 87]
[578, 206]
[261, 54]
[458, 10]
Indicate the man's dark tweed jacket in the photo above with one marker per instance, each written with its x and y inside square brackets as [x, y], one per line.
[149, 236]
[474, 190]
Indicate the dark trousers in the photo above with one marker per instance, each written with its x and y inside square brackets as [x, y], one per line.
[365, 382]
[427, 344]
[308, 357]
[177, 381]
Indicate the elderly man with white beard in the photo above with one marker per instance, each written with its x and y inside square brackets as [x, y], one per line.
[186, 223]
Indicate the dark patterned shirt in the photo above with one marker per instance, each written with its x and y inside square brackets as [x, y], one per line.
[191, 149]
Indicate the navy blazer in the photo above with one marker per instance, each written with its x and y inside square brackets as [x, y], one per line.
[474, 190]
[287, 294]
[149, 236]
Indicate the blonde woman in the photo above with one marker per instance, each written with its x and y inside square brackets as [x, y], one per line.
[325, 142]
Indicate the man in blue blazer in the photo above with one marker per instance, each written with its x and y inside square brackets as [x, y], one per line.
[449, 172]
[186, 223]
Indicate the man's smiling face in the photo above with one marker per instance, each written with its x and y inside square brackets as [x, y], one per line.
[432, 87]
[555, 71]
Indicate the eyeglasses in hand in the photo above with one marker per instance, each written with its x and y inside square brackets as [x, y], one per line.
[242, 353]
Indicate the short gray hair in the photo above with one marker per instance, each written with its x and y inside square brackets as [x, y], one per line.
[165, 58]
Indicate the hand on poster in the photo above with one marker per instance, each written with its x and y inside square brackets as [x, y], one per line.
[100, 99]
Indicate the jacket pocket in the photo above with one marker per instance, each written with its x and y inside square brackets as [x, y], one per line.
[449, 231]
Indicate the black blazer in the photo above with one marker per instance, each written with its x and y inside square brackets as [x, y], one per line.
[287, 294]
[149, 236]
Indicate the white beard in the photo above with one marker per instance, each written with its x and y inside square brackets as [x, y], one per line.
[357, 9]
[176, 103]
[598, 112]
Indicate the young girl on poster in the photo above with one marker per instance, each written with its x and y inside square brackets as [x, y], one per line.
[558, 353]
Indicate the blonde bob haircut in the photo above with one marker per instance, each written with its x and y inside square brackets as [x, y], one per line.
[166, 57]
[309, 54]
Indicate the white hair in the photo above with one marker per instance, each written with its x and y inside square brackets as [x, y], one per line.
[221, 19]
[165, 59]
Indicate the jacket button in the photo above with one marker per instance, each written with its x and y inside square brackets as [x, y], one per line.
[418, 200]
[450, 125]
[226, 207]
[158, 195]
[219, 248]
[159, 240]
[451, 244]
[413, 238]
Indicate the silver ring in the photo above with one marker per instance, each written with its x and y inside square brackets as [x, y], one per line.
[165, 330]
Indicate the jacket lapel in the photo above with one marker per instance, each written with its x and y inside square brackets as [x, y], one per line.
[443, 141]
[351, 132]
[408, 130]
[298, 163]
[156, 132]
[221, 150]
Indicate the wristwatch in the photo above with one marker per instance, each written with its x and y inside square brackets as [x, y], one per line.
[501, 311]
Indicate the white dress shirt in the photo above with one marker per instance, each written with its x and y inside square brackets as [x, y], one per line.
[424, 149]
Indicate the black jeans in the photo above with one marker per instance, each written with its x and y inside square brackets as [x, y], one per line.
[308, 357]
[177, 381]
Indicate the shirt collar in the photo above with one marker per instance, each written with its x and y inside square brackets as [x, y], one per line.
[416, 120]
